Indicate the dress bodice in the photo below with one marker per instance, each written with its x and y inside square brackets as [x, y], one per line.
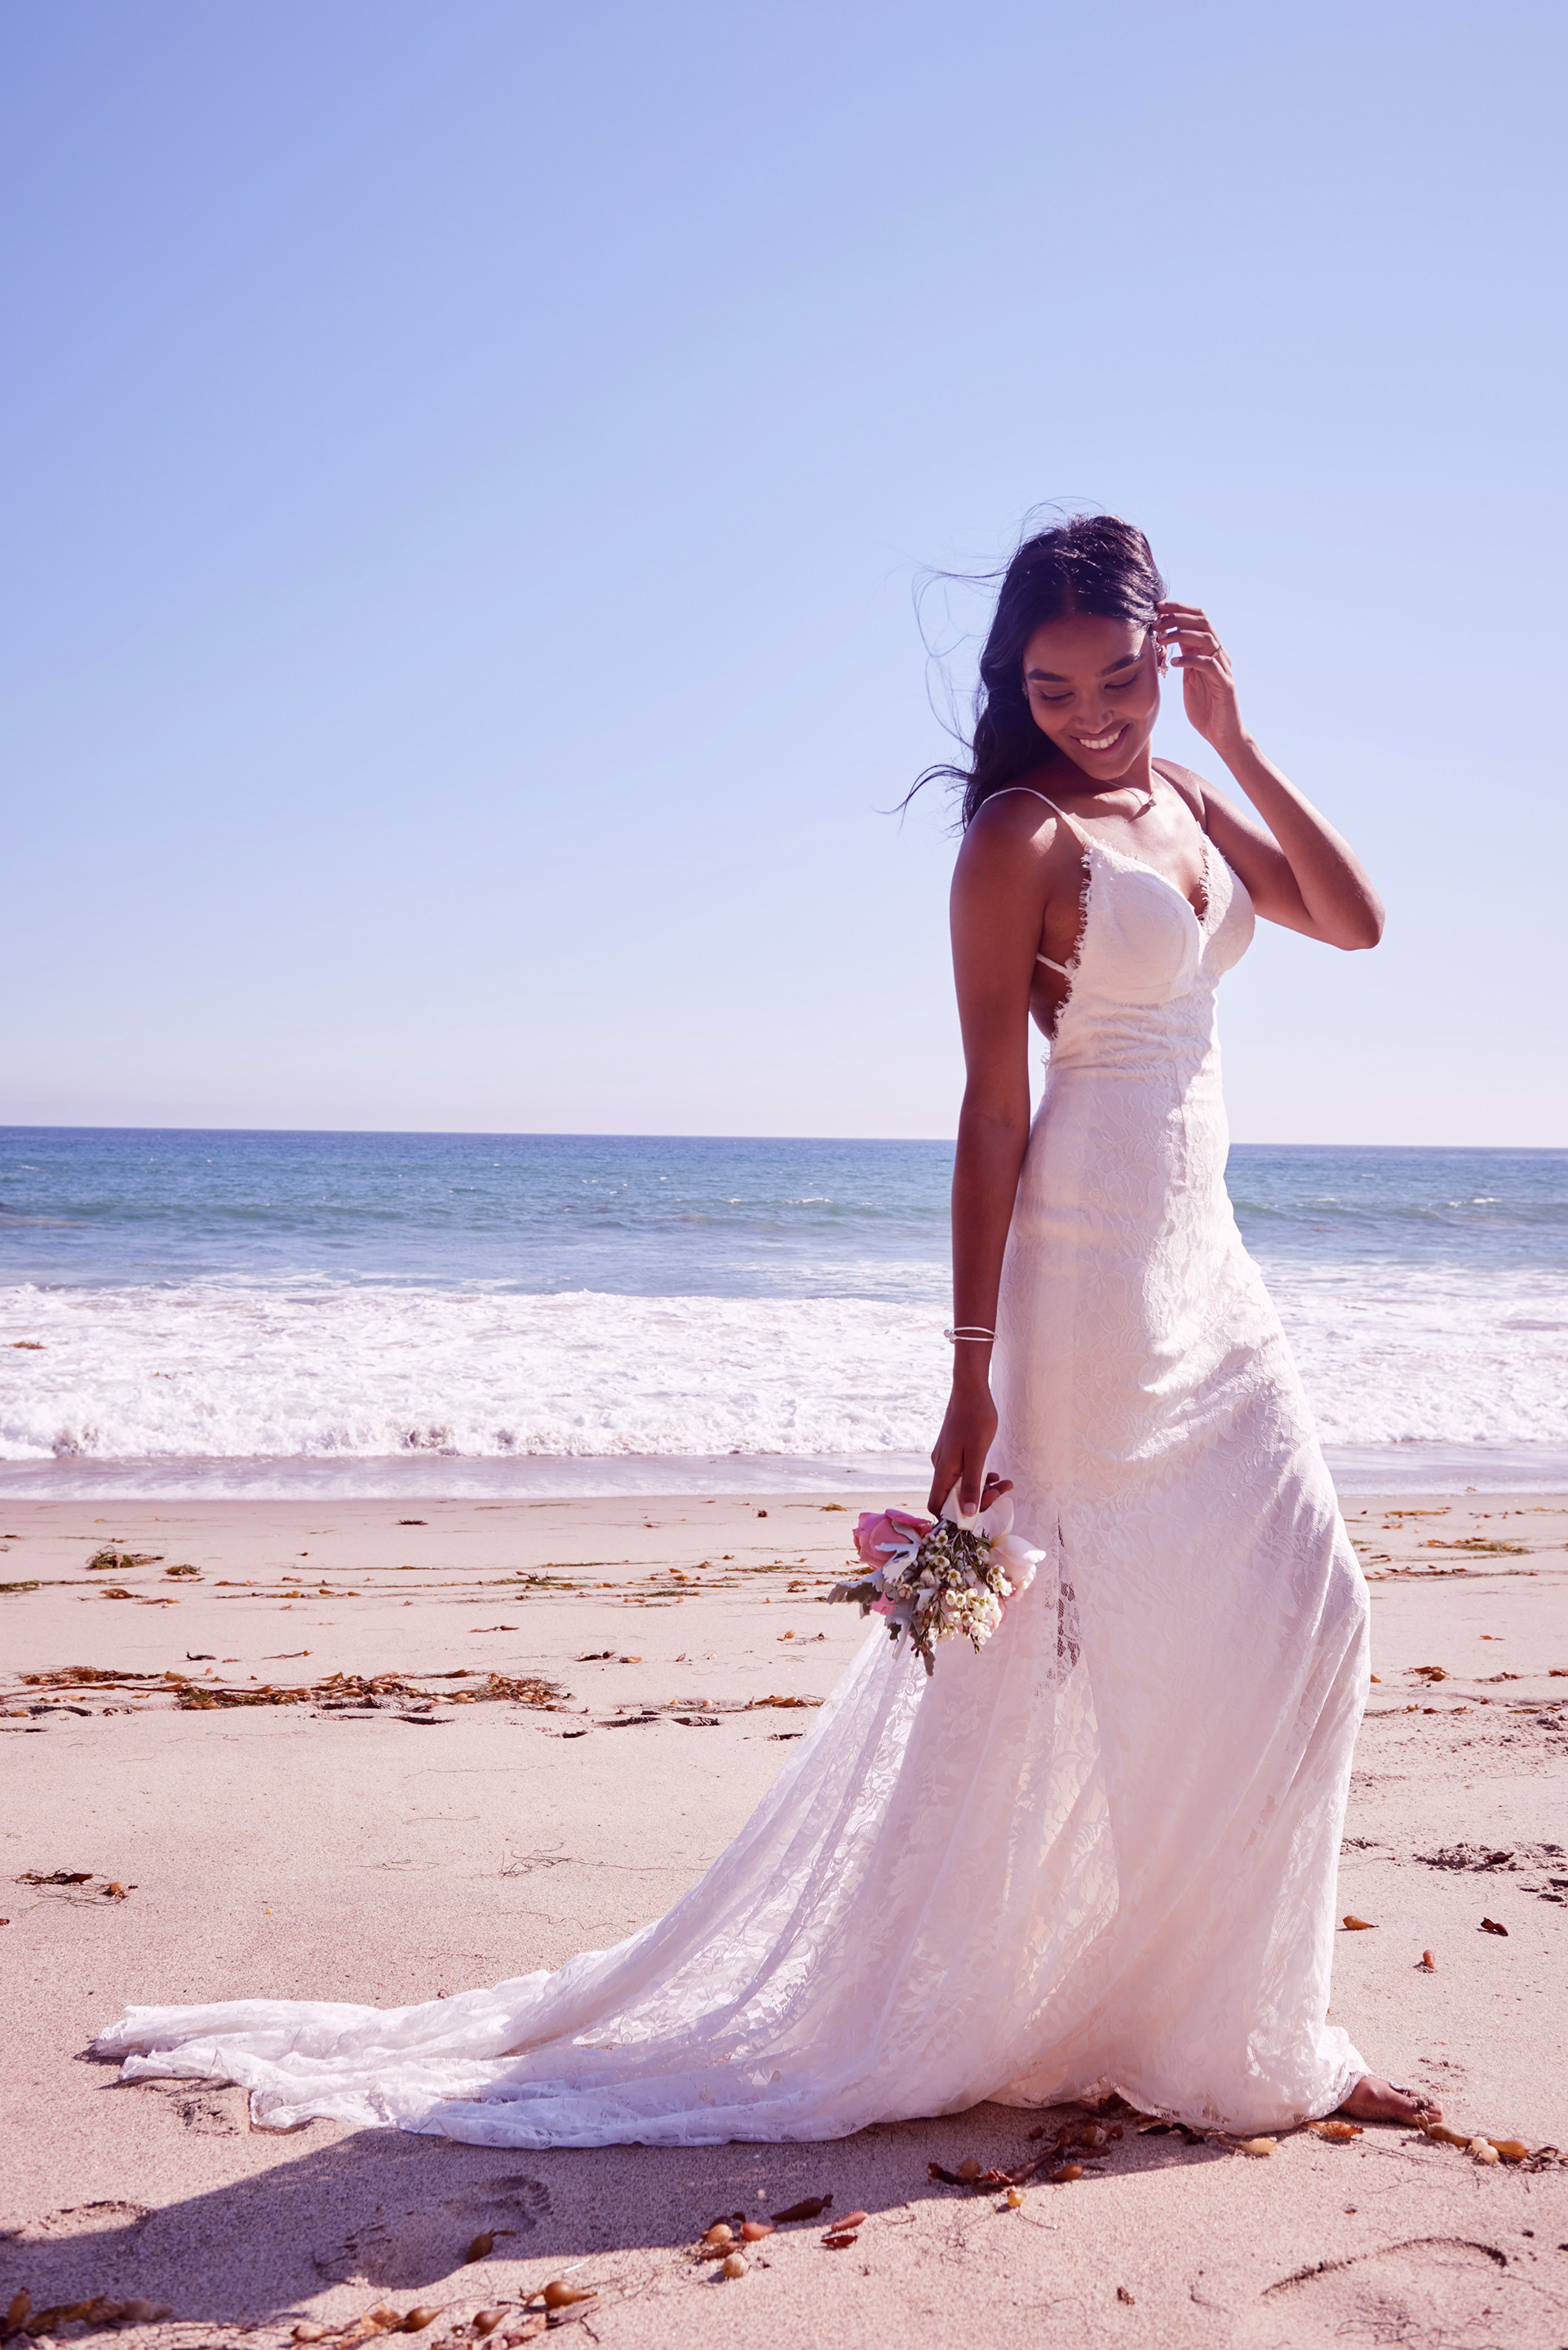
[1142, 943]
[1144, 972]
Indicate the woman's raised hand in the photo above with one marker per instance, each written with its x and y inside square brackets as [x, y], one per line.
[1207, 687]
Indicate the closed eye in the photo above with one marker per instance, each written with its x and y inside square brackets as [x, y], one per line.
[1118, 685]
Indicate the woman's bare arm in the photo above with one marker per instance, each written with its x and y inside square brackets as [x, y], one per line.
[1299, 872]
[1007, 870]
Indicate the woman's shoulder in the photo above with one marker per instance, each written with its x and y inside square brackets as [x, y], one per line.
[1015, 841]
[1014, 831]
[1188, 783]
[1021, 811]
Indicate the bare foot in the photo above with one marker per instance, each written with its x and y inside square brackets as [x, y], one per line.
[1373, 2100]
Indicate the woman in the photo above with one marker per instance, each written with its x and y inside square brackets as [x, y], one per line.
[1149, 1411]
[1100, 1854]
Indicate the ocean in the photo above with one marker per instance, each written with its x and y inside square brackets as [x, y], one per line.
[222, 1312]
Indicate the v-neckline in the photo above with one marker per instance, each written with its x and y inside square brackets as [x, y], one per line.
[1142, 866]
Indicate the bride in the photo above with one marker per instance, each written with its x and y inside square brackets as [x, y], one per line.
[1101, 1855]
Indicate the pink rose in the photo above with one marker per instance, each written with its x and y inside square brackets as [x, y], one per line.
[886, 1526]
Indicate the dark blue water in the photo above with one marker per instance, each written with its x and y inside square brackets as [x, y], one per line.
[686, 1216]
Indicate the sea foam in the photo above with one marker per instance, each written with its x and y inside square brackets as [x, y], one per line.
[1389, 1355]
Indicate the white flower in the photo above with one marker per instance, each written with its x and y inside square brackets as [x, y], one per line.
[1019, 1560]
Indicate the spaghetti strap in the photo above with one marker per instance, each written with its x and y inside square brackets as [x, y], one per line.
[1035, 795]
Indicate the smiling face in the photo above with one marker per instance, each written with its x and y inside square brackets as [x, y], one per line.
[1093, 687]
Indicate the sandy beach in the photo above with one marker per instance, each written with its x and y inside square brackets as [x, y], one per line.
[205, 1801]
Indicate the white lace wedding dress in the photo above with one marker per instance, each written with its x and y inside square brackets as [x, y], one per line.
[1101, 1854]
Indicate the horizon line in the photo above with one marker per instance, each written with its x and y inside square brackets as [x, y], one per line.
[615, 1134]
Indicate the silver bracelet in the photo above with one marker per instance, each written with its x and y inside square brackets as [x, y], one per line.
[971, 1331]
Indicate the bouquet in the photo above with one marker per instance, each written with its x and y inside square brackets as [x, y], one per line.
[938, 1578]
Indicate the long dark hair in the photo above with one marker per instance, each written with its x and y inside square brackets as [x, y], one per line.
[1090, 563]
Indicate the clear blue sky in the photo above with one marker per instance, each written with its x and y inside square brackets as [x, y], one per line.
[468, 466]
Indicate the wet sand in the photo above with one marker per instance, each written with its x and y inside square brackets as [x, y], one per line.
[575, 1705]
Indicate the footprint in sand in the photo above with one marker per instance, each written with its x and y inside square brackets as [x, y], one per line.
[1434, 2289]
[401, 2250]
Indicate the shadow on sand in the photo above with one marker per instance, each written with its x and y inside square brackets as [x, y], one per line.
[394, 2214]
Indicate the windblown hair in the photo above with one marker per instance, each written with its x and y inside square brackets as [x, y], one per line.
[1090, 563]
